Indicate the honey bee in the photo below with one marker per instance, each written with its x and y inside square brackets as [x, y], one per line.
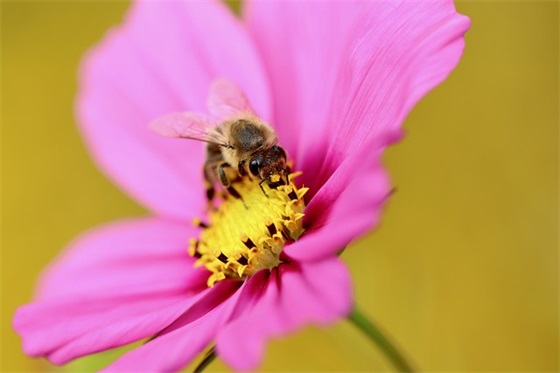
[240, 146]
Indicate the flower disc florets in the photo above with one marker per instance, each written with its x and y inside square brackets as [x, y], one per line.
[246, 235]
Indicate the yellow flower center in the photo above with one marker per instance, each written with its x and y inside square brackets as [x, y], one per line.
[246, 235]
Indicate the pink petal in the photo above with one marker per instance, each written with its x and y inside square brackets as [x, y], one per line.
[65, 330]
[113, 286]
[301, 44]
[146, 256]
[347, 205]
[346, 72]
[220, 292]
[242, 341]
[295, 295]
[162, 60]
[172, 351]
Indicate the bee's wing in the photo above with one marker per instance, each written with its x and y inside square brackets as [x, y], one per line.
[226, 99]
[192, 126]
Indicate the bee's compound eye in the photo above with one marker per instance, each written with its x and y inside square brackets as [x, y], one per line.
[255, 165]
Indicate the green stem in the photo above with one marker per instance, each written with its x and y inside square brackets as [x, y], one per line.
[376, 336]
[210, 356]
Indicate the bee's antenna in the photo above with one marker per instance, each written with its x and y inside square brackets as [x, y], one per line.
[261, 182]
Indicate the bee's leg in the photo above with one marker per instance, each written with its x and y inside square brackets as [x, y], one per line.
[209, 183]
[213, 159]
[241, 168]
[225, 181]
[209, 180]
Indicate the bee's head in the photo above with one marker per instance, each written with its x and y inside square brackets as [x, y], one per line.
[269, 162]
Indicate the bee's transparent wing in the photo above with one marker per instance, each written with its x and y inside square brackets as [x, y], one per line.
[226, 99]
[192, 126]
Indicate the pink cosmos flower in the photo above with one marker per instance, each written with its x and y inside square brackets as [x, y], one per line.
[335, 80]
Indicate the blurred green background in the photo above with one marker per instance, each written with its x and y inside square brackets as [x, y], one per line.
[463, 271]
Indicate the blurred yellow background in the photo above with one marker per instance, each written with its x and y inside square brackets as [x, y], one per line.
[463, 271]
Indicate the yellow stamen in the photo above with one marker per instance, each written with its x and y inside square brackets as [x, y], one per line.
[246, 235]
